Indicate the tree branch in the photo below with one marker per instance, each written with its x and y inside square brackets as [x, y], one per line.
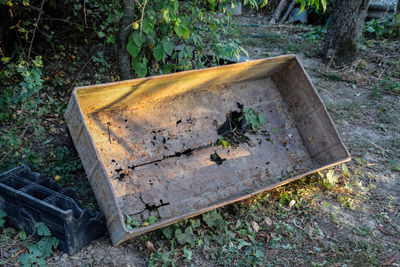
[34, 30]
[278, 12]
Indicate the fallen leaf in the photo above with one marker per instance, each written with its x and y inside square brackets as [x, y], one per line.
[19, 252]
[267, 221]
[149, 245]
[255, 226]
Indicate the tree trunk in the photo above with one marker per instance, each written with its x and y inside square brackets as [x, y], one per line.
[284, 18]
[344, 31]
[398, 6]
[278, 11]
[124, 58]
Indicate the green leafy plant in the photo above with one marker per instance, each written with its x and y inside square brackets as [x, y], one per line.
[256, 4]
[226, 242]
[387, 27]
[21, 106]
[213, 219]
[130, 223]
[38, 252]
[170, 36]
[3, 214]
[309, 3]
[237, 246]
[60, 164]
[284, 198]
[363, 231]
[315, 34]
[188, 254]
[164, 258]
[185, 237]
[222, 142]
[152, 219]
[254, 118]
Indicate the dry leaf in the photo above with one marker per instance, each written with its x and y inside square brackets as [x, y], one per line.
[255, 226]
[267, 221]
[149, 245]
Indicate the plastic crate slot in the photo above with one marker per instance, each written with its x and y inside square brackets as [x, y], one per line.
[65, 203]
[51, 185]
[38, 192]
[14, 182]
[27, 174]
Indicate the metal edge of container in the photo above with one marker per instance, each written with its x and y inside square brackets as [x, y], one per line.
[118, 232]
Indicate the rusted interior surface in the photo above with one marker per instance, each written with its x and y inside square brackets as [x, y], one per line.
[148, 145]
[158, 157]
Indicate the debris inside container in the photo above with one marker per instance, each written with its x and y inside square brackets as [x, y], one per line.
[216, 158]
[171, 157]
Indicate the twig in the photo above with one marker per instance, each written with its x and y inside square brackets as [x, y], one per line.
[141, 19]
[131, 24]
[34, 30]
[380, 75]
[331, 61]
[84, 11]
[80, 71]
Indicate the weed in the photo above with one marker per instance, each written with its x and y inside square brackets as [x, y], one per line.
[329, 180]
[222, 142]
[363, 231]
[254, 118]
[346, 201]
[3, 214]
[375, 94]
[164, 258]
[185, 237]
[284, 199]
[316, 34]
[22, 99]
[213, 219]
[61, 164]
[238, 248]
[387, 27]
[391, 198]
[188, 254]
[130, 223]
[38, 252]
[226, 242]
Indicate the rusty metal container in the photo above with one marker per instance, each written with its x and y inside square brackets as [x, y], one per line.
[147, 144]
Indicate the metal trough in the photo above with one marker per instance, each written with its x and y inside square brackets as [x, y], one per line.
[146, 144]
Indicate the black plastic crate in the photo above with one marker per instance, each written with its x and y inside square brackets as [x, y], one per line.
[29, 198]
